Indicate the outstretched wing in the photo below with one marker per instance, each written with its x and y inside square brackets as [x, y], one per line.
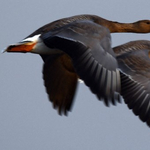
[89, 48]
[60, 81]
[134, 63]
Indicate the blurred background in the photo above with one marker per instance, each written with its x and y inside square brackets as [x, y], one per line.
[27, 119]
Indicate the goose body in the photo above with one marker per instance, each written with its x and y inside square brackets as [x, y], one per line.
[80, 47]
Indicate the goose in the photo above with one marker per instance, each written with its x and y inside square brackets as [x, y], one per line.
[79, 47]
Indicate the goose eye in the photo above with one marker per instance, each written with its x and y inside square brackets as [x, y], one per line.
[148, 22]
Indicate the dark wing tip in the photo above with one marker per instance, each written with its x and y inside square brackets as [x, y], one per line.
[136, 97]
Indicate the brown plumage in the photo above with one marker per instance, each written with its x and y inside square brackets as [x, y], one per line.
[142, 26]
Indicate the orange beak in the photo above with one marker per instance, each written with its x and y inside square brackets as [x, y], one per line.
[24, 47]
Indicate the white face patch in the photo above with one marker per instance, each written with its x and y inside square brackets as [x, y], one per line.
[80, 81]
[41, 48]
[32, 39]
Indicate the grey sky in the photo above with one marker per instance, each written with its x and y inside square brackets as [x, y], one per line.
[27, 119]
